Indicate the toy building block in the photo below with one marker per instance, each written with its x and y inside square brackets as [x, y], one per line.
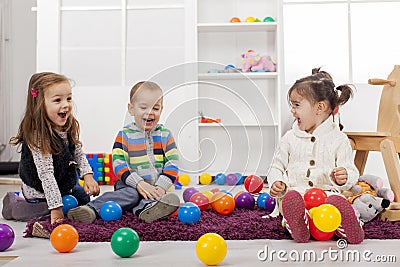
[96, 162]
[109, 174]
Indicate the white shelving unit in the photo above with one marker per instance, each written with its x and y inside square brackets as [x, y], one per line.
[248, 104]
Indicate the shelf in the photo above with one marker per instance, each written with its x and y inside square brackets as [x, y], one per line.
[237, 27]
[236, 76]
[220, 125]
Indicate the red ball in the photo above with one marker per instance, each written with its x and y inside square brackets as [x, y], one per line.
[253, 184]
[200, 200]
[318, 234]
[314, 197]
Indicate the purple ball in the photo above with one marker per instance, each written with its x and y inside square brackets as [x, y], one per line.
[245, 201]
[187, 194]
[231, 179]
[270, 204]
[6, 236]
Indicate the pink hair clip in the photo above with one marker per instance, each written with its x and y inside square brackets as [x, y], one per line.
[34, 92]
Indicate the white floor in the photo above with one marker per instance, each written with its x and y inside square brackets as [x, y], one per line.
[39, 252]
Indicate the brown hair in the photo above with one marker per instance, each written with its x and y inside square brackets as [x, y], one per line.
[320, 87]
[35, 129]
[146, 85]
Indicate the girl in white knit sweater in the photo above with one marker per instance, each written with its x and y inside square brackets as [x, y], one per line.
[315, 153]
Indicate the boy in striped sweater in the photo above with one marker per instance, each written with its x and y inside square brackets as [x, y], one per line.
[145, 159]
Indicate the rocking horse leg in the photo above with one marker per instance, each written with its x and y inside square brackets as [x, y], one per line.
[392, 165]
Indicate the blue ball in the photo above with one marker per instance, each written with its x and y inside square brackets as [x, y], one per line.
[240, 178]
[220, 178]
[226, 192]
[110, 211]
[189, 213]
[69, 202]
[262, 198]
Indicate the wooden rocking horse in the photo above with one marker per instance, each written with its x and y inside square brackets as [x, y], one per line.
[386, 139]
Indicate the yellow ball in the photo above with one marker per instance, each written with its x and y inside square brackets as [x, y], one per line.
[250, 19]
[327, 218]
[81, 182]
[184, 179]
[209, 194]
[205, 179]
[211, 248]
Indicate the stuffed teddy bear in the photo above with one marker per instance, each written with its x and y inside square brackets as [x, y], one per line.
[368, 197]
[252, 61]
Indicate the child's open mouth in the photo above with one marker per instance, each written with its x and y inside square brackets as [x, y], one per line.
[148, 121]
[63, 115]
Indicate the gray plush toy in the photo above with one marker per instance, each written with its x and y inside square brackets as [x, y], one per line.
[368, 197]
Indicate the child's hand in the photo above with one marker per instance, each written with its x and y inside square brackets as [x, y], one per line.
[339, 175]
[160, 190]
[277, 188]
[56, 215]
[148, 191]
[90, 186]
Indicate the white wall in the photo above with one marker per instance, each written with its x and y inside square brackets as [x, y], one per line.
[315, 35]
[20, 65]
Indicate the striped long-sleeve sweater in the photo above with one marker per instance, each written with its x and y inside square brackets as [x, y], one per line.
[150, 156]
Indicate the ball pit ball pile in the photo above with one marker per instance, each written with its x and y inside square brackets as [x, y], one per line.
[64, 238]
[188, 192]
[125, 242]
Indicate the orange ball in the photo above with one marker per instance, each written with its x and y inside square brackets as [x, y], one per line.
[223, 203]
[235, 19]
[64, 238]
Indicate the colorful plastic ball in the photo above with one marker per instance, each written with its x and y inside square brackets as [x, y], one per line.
[211, 248]
[189, 213]
[231, 179]
[125, 242]
[184, 179]
[69, 202]
[261, 199]
[220, 179]
[327, 218]
[200, 200]
[110, 211]
[205, 179]
[318, 234]
[257, 20]
[268, 19]
[245, 201]
[223, 203]
[214, 190]
[314, 197]
[270, 203]
[64, 238]
[237, 194]
[250, 19]
[226, 192]
[240, 178]
[188, 192]
[208, 194]
[6, 236]
[81, 182]
[235, 19]
[253, 184]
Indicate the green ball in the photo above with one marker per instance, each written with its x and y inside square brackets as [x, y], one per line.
[125, 242]
[269, 19]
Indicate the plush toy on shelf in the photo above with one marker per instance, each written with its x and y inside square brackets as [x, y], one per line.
[252, 61]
